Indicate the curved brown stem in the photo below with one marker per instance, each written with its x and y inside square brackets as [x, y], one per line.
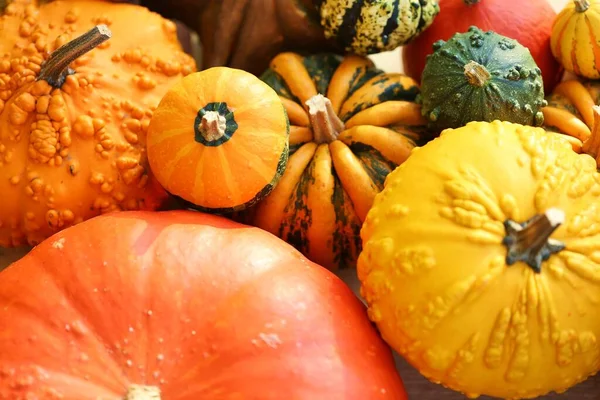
[530, 241]
[592, 145]
[581, 5]
[142, 392]
[56, 68]
[476, 74]
[325, 123]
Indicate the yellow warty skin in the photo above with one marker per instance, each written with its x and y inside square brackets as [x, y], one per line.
[433, 268]
[574, 40]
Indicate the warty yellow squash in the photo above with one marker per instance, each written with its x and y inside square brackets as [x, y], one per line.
[482, 267]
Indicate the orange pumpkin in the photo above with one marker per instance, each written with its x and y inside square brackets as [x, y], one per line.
[74, 114]
[183, 305]
[219, 140]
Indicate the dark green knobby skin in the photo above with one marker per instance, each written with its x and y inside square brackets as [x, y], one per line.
[514, 91]
[230, 124]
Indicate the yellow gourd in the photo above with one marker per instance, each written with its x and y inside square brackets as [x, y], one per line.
[575, 35]
[481, 261]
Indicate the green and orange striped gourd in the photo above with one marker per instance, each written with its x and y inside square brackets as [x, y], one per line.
[351, 125]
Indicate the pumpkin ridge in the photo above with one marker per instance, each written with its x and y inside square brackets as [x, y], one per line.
[594, 44]
[355, 82]
[345, 245]
[321, 68]
[297, 216]
[277, 83]
[373, 162]
[101, 340]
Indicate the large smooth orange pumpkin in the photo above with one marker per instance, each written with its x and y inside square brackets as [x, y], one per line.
[183, 306]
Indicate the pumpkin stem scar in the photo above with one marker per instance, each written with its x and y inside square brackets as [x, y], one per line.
[326, 125]
[142, 392]
[56, 68]
[581, 5]
[214, 124]
[476, 74]
[530, 241]
[471, 2]
[592, 145]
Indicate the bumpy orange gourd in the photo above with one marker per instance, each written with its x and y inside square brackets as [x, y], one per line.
[219, 140]
[72, 140]
[480, 262]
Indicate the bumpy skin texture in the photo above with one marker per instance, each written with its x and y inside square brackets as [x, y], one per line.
[70, 153]
[219, 173]
[192, 304]
[529, 22]
[368, 27]
[575, 39]
[247, 34]
[513, 91]
[330, 182]
[433, 269]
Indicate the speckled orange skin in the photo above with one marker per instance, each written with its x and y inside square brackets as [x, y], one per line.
[71, 153]
[190, 304]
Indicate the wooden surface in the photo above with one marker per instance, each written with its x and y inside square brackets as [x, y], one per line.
[418, 387]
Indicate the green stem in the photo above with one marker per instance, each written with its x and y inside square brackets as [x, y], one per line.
[581, 5]
[56, 68]
[530, 241]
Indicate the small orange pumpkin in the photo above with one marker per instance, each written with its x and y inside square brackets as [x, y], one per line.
[73, 114]
[219, 140]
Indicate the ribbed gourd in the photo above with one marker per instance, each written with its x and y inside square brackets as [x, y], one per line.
[481, 76]
[574, 39]
[351, 125]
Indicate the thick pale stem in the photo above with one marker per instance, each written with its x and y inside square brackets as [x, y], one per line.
[56, 68]
[530, 242]
[581, 5]
[326, 125]
[592, 145]
[212, 126]
[476, 74]
[142, 392]
[471, 2]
